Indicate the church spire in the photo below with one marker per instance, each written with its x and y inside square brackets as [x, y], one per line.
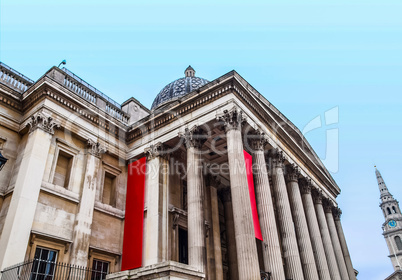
[384, 192]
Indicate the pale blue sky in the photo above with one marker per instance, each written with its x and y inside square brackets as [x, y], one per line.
[305, 57]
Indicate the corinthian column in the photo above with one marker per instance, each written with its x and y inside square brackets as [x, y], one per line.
[247, 256]
[335, 242]
[342, 240]
[314, 230]
[299, 219]
[326, 238]
[83, 221]
[293, 267]
[194, 139]
[155, 240]
[21, 212]
[271, 249]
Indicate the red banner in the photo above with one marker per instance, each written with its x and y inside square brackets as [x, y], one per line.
[249, 163]
[134, 218]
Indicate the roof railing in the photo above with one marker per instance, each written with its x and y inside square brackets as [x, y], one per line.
[14, 79]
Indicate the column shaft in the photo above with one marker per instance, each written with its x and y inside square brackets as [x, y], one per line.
[271, 246]
[83, 221]
[247, 256]
[293, 268]
[344, 246]
[195, 200]
[303, 236]
[156, 184]
[315, 235]
[337, 246]
[21, 212]
[326, 240]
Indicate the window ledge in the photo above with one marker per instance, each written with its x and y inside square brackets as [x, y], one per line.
[60, 191]
[110, 210]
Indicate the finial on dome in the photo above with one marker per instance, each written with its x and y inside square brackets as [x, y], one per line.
[190, 72]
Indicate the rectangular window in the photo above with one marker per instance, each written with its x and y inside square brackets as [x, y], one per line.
[44, 264]
[63, 169]
[99, 270]
[109, 190]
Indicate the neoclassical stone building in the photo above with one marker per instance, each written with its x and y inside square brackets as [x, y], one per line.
[212, 183]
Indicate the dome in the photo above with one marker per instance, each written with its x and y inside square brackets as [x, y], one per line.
[179, 88]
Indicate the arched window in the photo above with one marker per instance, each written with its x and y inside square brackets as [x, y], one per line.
[398, 242]
[393, 209]
[389, 211]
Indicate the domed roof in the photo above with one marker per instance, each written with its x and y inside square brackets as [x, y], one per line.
[179, 88]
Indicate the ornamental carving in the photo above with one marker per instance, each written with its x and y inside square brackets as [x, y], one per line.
[95, 148]
[276, 158]
[292, 173]
[257, 140]
[232, 119]
[337, 213]
[305, 185]
[43, 122]
[328, 205]
[157, 150]
[317, 196]
[194, 137]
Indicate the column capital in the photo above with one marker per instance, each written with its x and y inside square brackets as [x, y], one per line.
[46, 123]
[95, 148]
[305, 185]
[328, 205]
[194, 137]
[156, 150]
[232, 119]
[292, 173]
[337, 213]
[277, 158]
[317, 196]
[257, 140]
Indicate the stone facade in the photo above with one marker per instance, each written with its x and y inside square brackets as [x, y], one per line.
[64, 185]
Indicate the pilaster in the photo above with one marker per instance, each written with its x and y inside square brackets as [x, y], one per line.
[83, 221]
[18, 222]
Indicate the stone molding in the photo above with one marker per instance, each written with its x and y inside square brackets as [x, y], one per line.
[95, 148]
[194, 137]
[157, 150]
[46, 123]
[232, 119]
[258, 140]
